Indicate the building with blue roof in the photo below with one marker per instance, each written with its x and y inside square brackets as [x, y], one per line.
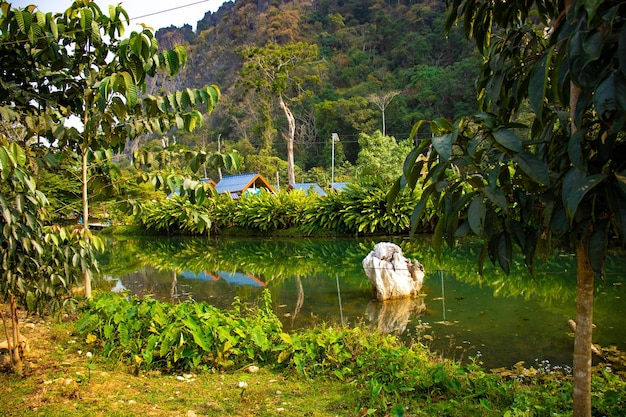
[338, 186]
[238, 185]
[308, 188]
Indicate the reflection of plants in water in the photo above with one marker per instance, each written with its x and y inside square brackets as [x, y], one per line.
[277, 259]
[274, 260]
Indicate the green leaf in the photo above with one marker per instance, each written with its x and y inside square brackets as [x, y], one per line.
[505, 252]
[604, 99]
[130, 89]
[590, 7]
[172, 63]
[24, 20]
[533, 167]
[574, 150]
[443, 146]
[538, 82]
[509, 139]
[597, 249]
[575, 186]
[495, 196]
[17, 154]
[476, 215]
[4, 162]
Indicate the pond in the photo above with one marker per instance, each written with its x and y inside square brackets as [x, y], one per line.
[498, 319]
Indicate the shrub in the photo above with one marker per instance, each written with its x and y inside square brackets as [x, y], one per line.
[176, 214]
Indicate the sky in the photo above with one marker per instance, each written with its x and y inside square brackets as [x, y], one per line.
[154, 13]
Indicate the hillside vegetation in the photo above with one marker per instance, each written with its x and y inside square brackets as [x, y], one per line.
[380, 65]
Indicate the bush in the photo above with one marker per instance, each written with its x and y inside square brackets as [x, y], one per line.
[176, 214]
[357, 210]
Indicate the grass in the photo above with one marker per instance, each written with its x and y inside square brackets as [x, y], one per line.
[62, 380]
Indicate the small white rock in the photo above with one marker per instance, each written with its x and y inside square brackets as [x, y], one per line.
[89, 354]
[243, 384]
[253, 369]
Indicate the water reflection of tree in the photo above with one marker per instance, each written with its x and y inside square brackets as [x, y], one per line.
[275, 260]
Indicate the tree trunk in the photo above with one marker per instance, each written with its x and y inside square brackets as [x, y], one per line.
[290, 138]
[14, 348]
[583, 338]
[86, 218]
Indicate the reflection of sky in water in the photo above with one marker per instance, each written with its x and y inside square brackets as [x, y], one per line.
[503, 319]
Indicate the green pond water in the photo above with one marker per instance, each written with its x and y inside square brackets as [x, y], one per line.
[498, 318]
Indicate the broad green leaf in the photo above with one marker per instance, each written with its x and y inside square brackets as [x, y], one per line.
[538, 82]
[17, 154]
[505, 252]
[86, 16]
[604, 99]
[508, 138]
[130, 89]
[592, 45]
[172, 63]
[574, 149]
[4, 162]
[443, 146]
[476, 215]
[495, 196]
[24, 20]
[598, 243]
[441, 126]
[575, 186]
[533, 167]
[591, 6]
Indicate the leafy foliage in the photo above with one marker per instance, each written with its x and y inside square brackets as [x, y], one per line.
[40, 264]
[270, 212]
[565, 181]
[176, 215]
[150, 335]
[361, 210]
[358, 210]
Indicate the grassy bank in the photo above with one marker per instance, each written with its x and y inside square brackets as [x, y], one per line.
[320, 372]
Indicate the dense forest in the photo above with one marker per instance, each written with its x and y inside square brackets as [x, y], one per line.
[370, 65]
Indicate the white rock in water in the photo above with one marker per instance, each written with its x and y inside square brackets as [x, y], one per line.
[392, 275]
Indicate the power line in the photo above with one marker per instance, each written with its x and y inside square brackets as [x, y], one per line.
[169, 10]
[17, 42]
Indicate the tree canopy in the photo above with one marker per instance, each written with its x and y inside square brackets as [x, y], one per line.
[561, 179]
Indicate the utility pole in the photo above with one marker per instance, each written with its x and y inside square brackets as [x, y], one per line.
[334, 138]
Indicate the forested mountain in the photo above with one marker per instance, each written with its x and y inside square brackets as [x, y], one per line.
[371, 55]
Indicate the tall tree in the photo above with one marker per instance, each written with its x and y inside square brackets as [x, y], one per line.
[280, 72]
[382, 101]
[77, 65]
[565, 181]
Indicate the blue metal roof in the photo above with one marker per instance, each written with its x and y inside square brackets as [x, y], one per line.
[234, 183]
[309, 187]
[339, 186]
[237, 183]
